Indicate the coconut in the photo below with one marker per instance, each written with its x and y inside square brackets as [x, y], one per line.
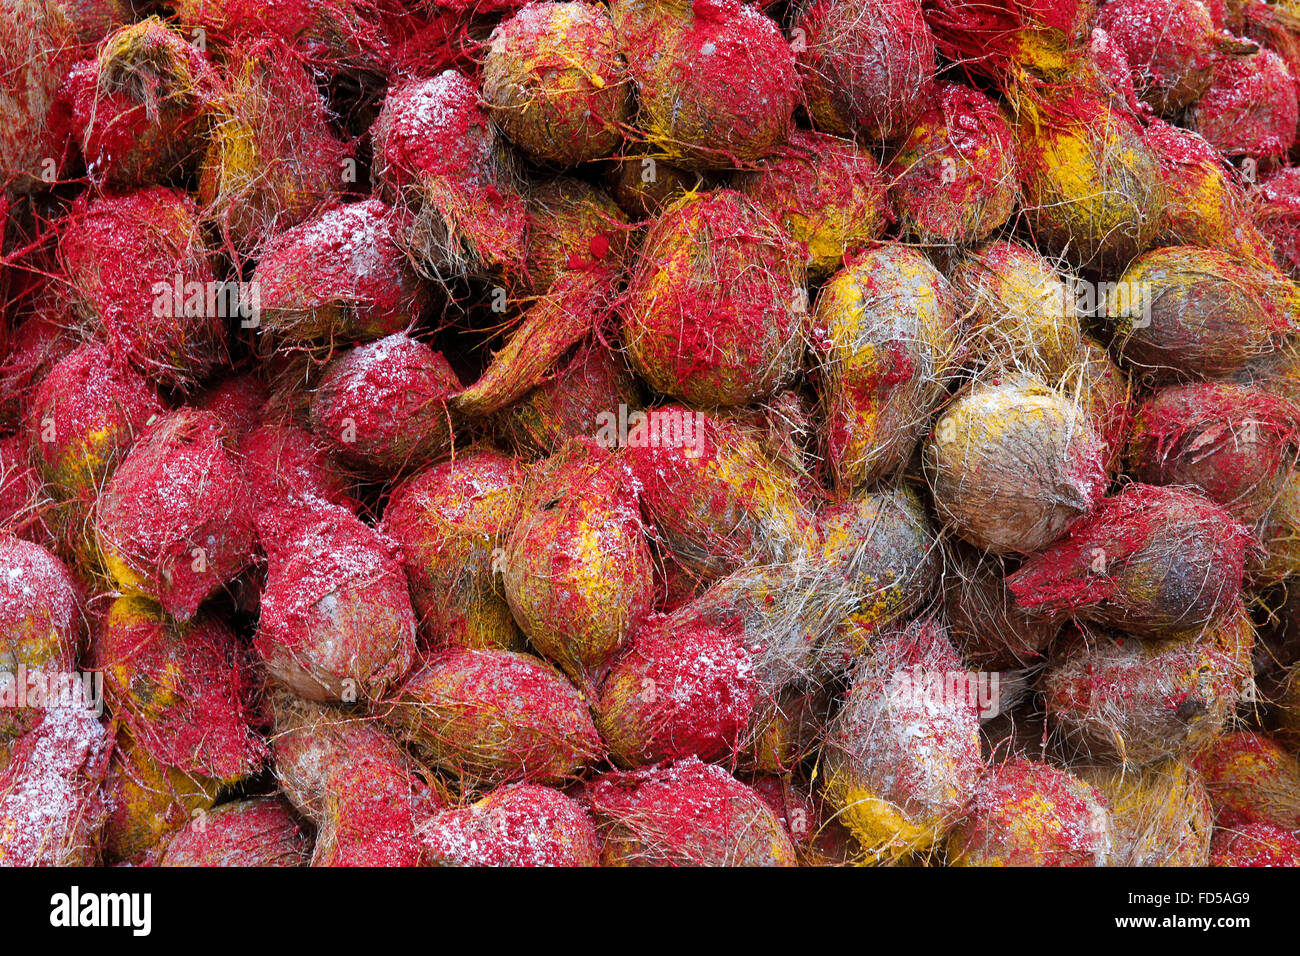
[1026, 813]
[180, 690]
[261, 831]
[338, 277]
[1161, 817]
[1277, 216]
[783, 427]
[1152, 561]
[715, 499]
[954, 179]
[342, 772]
[644, 186]
[436, 150]
[175, 521]
[1255, 844]
[827, 193]
[336, 621]
[577, 568]
[901, 762]
[686, 814]
[155, 299]
[83, 417]
[867, 66]
[1090, 184]
[520, 825]
[41, 626]
[51, 805]
[985, 623]
[39, 41]
[1205, 205]
[492, 717]
[1250, 107]
[586, 391]
[1234, 443]
[1135, 702]
[147, 802]
[886, 338]
[677, 693]
[713, 310]
[272, 157]
[382, 407]
[451, 523]
[990, 38]
[139, 109]
[553, 80]
[284, 463]
[715, 80]
[1170, 46]
[1012, 464]
[1183, 311]
[885, 545]
[1250, 779]
[573, 227]
[1023, 312]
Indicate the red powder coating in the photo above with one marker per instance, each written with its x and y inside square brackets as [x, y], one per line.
[21, 491]
[347, 258]
[826, 184]
[283, 463]
[1250, 108]
[710, 314]
[694, 492]
[383, 406]
[687, 814]
[1109, 60]
[41, 624]
[51, 803]
[955, 178]
[177, 512]
[866, 65]
[1026, 813]
[85, 394]
[144, 134]
[716, 84]
[985, 37]
[1234, 443]
[180, 691]
[237, 402]
[520, 825]
[494, 717]
[1169, 45]
[432, 128]
[1277, 216]
[1189, 555]
[677, 693]
[170, 335]
[335, 607]
[37, 343]
[259, 832]
[1255, 844]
